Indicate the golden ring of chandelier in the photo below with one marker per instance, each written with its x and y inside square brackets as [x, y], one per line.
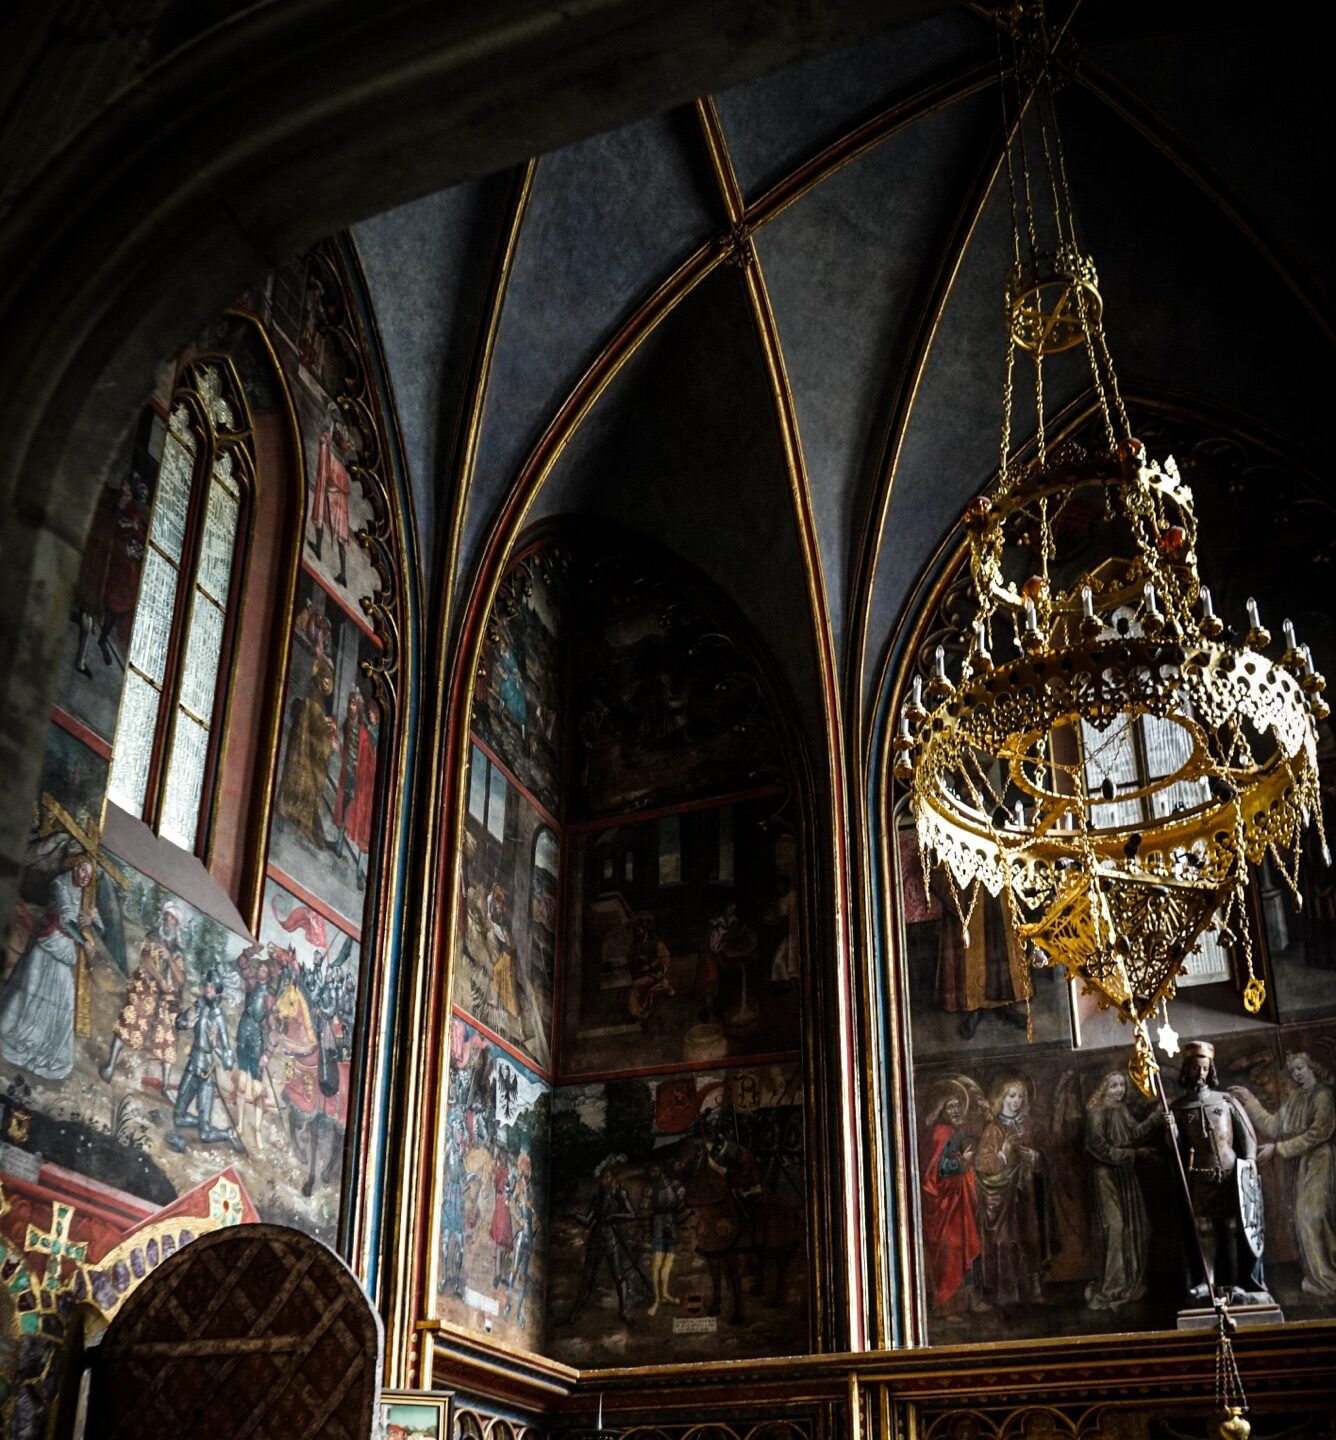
[1070, 879]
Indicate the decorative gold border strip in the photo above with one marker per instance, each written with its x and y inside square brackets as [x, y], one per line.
[478, 383]
[767, 334]
[456, 672]
[1286, 1363]
[251, 900]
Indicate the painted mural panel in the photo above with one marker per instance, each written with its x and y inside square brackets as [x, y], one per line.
[666, 707]
[149, 1047]
[324, 802]
[492, 1240]
[509, 874]
[304, 308]
[296, 1027]
[517, 699]
[75, 778]
[970, 985]
[97, 640]
[684, 940]
[160, 1075]
[1048, 1200]
[1301, 943]
[678, 1229]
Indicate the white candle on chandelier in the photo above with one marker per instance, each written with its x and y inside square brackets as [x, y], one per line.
[1152, 602]
[981, 637]
[1291, 642]
[1308, 659]
[904, 726]
[918, 691]
[1031, 616]
[941, 662]
[1020, 815]
[1254, 619]
[1087, 602]
[1207, 609]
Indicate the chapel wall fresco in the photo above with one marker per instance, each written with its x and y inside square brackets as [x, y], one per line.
[495, 1167]
[510, 869]
[667, 709]
[629, 939]
[678, 1226]
[108, 1131]
[1085, 1237]
[97, 638]
[329, 747]
[518, 698]
[492, 1225]
[682, 939]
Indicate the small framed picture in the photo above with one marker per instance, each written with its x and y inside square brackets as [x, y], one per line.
[414, 1415]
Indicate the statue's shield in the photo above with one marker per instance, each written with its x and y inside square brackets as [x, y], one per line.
[1250, 1205]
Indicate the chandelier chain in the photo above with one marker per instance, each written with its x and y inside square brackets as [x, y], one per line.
[1008, 130]
[1119, 774]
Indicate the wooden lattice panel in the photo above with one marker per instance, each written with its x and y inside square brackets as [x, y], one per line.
[256, 1331]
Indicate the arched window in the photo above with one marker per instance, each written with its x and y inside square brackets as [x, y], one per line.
[165, 756]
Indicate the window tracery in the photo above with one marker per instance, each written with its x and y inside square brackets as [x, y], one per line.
[174, 701]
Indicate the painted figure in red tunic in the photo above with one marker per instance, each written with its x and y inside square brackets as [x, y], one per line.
[950, 1230]
[355, 799]
[503, 1228]
[333, 487]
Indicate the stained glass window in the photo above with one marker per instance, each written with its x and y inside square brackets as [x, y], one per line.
[165, 737]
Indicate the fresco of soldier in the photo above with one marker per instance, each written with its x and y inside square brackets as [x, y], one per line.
[607, 1247]
[198, 1094]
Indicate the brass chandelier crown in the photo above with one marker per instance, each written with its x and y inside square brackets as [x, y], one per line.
[1112, 757]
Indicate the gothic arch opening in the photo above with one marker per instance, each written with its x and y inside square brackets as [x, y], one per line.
[624, 1119]
[1032, 1166]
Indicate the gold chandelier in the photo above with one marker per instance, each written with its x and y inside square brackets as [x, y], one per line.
[1112, 757]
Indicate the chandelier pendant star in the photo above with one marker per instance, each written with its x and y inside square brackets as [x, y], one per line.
[1112, 758]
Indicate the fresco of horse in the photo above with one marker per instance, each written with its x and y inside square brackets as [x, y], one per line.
[742, 1225]
[315, 1084]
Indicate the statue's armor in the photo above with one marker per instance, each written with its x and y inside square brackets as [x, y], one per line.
[1216, 1143]
[1209, 1129]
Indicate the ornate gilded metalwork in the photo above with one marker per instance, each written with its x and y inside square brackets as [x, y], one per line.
[1114, 776]
[359, 407]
